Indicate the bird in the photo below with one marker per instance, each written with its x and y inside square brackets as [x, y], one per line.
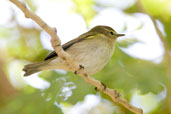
[92, 50]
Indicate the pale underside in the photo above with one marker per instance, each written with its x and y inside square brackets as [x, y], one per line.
[92, 55]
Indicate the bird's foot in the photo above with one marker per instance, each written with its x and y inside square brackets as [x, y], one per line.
[81, 67]
[104, 87]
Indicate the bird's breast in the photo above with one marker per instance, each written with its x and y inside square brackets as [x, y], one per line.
[93, 55]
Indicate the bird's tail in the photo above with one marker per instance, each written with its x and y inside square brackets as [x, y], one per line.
[33, 68]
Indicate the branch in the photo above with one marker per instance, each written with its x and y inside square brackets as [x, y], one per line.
[56, 44]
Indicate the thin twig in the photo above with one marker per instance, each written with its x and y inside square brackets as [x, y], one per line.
[56, 44]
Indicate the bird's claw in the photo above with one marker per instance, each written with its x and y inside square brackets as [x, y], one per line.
[80, 67]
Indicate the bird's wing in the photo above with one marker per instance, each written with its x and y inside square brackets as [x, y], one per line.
[70, 43]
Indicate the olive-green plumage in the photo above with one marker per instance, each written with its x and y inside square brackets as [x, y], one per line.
[92, 50]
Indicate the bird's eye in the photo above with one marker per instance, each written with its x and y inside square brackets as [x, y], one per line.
[111, 33]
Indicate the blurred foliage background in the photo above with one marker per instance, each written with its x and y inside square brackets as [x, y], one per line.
[140, 68]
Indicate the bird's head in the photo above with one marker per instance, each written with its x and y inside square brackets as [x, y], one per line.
[107, 31]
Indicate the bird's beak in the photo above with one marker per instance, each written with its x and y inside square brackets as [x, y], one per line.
[119, 35]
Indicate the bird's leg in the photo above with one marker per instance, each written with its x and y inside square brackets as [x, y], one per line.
[80, 68]
[104, 87]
